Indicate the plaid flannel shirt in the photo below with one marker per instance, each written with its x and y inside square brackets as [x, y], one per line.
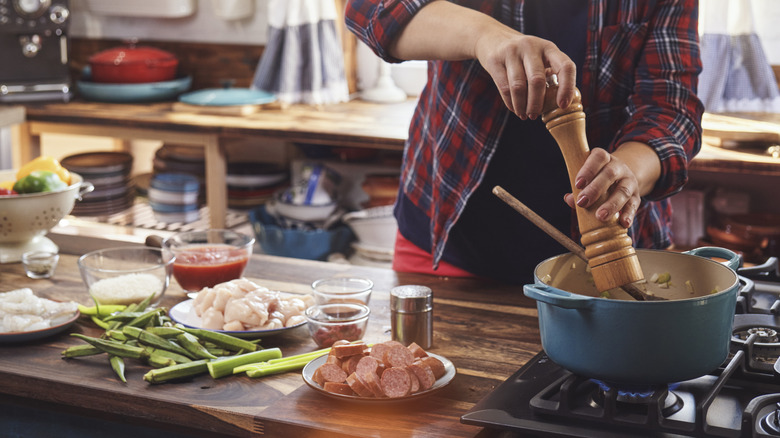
[639, 84]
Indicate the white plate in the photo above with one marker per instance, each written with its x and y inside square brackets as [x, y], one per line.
[449, 374]
[184, 314]
[59, 325]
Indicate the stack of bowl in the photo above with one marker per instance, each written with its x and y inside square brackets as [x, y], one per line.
[173, 197]
[754, 235]
[251, 184]
[109, 173]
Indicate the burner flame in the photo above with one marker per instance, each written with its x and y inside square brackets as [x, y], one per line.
[630, 392]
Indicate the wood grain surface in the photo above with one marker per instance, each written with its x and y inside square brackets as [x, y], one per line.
[486, 329]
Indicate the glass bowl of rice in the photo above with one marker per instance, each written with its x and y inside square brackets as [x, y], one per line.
[125, 275]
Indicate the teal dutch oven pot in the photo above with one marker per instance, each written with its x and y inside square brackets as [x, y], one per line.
[622, 341]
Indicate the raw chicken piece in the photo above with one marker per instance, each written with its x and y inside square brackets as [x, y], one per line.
[247, 310]
[212, 319]
[234, 326]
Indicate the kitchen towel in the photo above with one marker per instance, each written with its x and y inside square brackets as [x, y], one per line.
[303, 61]
[736, 76]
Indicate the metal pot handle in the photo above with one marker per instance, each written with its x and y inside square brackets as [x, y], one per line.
[556, 297]
[85, 188]
[733, 260]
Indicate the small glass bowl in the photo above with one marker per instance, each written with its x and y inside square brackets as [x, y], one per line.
[40, 264]
[125, 275]
[208, 257]
[331, 322]
[342, 290]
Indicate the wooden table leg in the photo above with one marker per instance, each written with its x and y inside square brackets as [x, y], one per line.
[28, 145]
[216, 188]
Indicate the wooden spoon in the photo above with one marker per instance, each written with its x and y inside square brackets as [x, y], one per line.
[632, 289]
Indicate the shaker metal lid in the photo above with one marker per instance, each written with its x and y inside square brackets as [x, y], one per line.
[411, 298]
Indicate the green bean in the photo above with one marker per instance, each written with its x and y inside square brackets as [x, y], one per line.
[190, 343]
[223, 340]
[164, 332]
[178, 358]
[81, 350]
[118, 365]
[159, 361]
[113, 347]
[152, 340]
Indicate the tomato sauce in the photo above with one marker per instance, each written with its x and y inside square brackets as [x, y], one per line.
[202, 266]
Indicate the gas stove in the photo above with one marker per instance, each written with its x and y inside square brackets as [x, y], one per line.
[740, 399]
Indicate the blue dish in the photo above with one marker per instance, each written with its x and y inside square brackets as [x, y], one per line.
[130, 93]
[227, 97]
[301, 244]
[175, 182]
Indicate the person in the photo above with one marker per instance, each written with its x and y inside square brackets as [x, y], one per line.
[477, 124]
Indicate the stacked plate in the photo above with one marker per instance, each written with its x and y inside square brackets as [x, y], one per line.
[109, 172]
[251, 184]
[174, 197]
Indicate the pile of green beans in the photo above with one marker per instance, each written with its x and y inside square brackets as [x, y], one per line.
[174, 351]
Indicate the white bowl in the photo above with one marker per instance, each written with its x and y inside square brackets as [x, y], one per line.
[374, 226]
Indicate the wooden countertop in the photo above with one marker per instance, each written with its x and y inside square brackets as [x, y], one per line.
[487, 330]
[354, 123]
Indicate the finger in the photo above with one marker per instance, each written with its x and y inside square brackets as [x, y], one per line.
[537, 85]
[597, 160]
[628, 212]
[502, 83]
[569, 199]
[518, 87]
[618, 196]
[566, 71]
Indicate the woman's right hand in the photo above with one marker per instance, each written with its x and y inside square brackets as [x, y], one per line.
[520, 64]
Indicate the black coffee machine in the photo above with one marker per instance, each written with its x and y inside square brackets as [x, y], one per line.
[34, 50]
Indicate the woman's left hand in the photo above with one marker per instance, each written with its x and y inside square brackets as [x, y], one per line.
[607, 175]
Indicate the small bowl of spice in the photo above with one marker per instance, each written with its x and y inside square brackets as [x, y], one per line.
[125, 275]
[330, 322]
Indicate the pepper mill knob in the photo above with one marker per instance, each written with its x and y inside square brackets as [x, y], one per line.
[608, 248]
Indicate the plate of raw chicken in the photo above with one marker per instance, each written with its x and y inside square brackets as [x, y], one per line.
[244, 309]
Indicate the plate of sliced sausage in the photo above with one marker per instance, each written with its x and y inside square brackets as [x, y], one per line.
[384, 372]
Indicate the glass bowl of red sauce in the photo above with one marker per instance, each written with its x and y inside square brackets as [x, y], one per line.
[208, 257]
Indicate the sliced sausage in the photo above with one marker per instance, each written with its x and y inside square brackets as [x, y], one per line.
[338, 388]
[349, 364]
[436, 365]
[358, 387]
[317, 377]
[332, 373]
[350, 349]
[396, 382]
[378, 351]
[415, 382]
[424, 375]
[398, 356]
[366, 371]
[416, 350]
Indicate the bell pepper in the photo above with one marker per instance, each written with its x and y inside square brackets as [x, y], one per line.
[39, 181]
[45, 163]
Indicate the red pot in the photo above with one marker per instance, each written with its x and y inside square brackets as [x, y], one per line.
[135, 64]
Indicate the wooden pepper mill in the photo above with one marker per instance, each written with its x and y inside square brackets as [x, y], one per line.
[611, 256]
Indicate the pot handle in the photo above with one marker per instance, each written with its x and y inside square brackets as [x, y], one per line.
[733, 260]
[556, 297]
[85, 188]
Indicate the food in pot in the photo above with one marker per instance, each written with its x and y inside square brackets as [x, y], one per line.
[240, 304]
[388, 369]
[22, 311]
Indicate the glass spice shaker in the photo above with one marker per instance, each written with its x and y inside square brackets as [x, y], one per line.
[411, 315]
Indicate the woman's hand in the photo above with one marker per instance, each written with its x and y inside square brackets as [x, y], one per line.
[520, 64]
[622, 178]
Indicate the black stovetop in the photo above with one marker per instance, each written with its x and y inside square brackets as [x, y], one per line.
[741, 399]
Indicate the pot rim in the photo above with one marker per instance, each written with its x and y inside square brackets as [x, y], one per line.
[725, 291]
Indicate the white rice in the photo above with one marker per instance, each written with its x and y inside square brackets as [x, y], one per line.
[125, 289]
